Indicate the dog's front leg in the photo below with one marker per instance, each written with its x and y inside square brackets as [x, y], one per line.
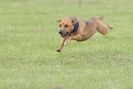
[67, 41]
[62, 45]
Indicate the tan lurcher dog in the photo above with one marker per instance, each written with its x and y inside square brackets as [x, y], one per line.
[79, 30]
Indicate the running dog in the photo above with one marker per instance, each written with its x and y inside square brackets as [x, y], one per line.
[72, 28]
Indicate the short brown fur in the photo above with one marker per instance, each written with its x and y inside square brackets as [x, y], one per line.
[85, 30]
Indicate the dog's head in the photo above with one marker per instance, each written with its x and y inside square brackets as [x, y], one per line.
[66, 25]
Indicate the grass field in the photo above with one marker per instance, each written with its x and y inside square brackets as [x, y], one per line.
[29, 38]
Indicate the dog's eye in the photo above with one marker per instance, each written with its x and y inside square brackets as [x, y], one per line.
[60, 25]
[66, 25]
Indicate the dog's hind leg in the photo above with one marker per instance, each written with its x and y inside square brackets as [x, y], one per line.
[102, 28]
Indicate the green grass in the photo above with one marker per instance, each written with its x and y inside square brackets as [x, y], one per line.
[29, 38]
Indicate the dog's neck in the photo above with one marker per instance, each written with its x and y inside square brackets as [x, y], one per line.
[75, 27]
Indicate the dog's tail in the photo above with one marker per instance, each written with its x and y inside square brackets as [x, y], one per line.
[101, 18]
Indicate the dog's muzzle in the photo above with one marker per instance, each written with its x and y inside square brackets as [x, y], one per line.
[63, 34]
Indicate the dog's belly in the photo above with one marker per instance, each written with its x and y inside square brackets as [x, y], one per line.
[89, 31]
[86, 36]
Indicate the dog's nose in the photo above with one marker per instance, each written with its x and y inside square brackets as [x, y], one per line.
[60, 32]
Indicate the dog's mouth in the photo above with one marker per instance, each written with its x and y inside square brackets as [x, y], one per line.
[64, 34]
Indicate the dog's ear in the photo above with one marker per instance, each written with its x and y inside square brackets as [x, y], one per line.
[73, 21]
[101, 18]
[59, 20]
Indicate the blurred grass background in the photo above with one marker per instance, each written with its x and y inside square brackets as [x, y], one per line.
[29, 38]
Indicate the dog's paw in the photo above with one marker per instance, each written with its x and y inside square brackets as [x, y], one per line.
[58, 50]
[110, 26]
